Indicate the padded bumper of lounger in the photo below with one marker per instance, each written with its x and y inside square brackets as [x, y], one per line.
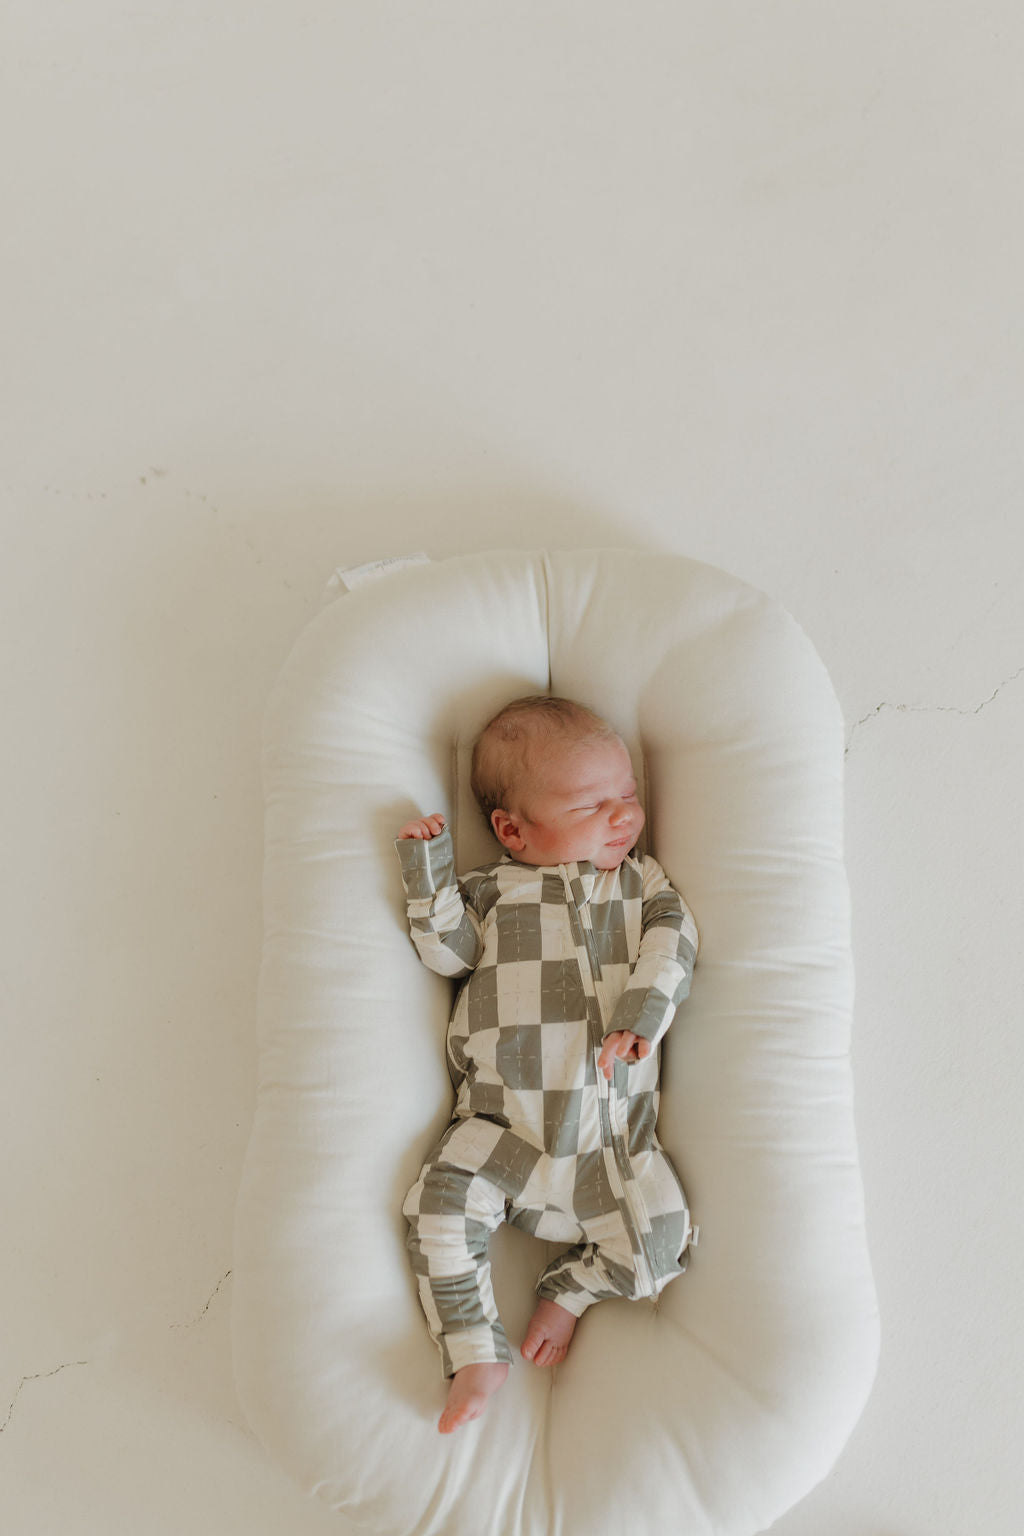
[717, 1408]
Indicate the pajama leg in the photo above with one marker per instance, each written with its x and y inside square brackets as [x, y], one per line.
[591, 1271]
[594, 1271]
[452, 1212]
[604, 1264]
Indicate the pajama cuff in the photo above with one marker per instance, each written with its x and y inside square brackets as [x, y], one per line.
[575, 1302]
[474, 1346]
[428, 864]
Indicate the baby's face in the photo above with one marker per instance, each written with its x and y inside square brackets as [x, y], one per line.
[576, 805]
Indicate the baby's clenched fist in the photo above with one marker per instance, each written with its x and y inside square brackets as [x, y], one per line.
[428, 827]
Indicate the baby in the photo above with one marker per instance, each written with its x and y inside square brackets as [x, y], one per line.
[576, 951]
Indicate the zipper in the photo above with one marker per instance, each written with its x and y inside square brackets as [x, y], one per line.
[618, 1166]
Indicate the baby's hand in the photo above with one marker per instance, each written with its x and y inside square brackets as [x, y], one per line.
[625, 1046]
[429, 827]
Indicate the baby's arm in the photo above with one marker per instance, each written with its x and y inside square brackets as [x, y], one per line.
[445, 929]
[660, 979]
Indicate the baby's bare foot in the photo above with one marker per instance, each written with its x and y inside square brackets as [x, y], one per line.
[468, 1394]
[547, 1337]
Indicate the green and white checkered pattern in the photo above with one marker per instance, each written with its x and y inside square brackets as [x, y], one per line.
[555, 958]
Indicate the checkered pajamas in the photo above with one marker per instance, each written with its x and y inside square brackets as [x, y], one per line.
[555, 959]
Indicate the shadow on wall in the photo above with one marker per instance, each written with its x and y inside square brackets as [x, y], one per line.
[341, 529]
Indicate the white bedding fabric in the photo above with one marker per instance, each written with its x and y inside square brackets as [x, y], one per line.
[716, 1408]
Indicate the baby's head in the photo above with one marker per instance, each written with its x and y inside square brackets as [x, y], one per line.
[556, 784]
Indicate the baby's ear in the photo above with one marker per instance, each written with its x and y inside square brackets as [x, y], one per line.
[506, 830]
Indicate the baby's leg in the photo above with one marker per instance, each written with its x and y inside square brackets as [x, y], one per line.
[452, 1212]
[561, 1299]
[596, 1270]
[606, 1265]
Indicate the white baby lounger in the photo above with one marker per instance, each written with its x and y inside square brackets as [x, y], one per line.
[717, 1407]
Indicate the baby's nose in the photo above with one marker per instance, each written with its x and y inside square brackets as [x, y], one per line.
[620, 812]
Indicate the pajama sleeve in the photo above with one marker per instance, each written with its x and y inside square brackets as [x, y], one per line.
[660, 979]
[444, 927]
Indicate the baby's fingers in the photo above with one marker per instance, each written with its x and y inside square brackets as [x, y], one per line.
[625, 1045]
[614, 1045]
[607, 1056]
[427, 827]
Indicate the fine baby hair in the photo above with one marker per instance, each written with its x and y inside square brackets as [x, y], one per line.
[502, 754]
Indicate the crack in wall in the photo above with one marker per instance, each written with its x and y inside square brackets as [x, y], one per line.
[932, 709]
[39, 1376]
[72, 1364]
[192, 1321]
